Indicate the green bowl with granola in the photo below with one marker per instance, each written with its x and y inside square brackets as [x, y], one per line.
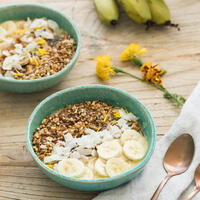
[38, 47]
[91, 137]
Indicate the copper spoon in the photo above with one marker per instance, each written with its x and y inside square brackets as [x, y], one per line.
[177, 159]
[197, 181]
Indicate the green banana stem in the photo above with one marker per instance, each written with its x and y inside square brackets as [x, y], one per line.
[176, 99]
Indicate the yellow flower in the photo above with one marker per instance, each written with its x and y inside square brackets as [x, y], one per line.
[16, 32]
[44, 56]
[103, 67]
[41, 41]
[99, 128]
[41, 51]
[20, 31]
[23, 30]
[18, 74]
[117, 114]
[33, 61]
[105, 119]
[132, 50]
[126, 111]
[151, 73]
[51, 166]
[37, 27]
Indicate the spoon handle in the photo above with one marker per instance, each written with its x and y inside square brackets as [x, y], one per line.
[160, 187]
[192, 194]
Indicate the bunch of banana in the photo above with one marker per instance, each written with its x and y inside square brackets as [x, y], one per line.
[141, 11]
[107, 11]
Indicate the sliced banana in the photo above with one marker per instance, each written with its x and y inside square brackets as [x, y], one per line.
[116, 166]
[109, 149]
[3, 33]
[91, 163]
[71, 167]
[9, 26]
[131, 135]
[134, 150]
[97, 176]
[4, 45]
[100, 167]
[88, 174]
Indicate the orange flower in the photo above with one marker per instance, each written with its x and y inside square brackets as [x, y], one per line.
[151, 73]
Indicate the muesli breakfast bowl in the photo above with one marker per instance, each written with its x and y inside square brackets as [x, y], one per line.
[38, 47]
[54, 118]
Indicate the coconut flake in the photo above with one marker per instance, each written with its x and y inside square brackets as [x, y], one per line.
[42, 146]
[52, 158]
[11, 62]
[115, 131]
[40, 22]
[53, 25]
[5, 53]
[68, 137]
[46, 35]
[31, 46]
[127, 116]
[18, 49]
[84, 151]
[26, 39]
[75, 154]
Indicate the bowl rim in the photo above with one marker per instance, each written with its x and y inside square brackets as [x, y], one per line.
[108, 179]
[69, 65]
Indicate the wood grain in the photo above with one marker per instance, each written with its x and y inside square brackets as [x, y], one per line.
[177, 51]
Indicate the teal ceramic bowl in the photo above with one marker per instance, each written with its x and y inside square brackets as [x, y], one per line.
[79, 94]
[17, 12]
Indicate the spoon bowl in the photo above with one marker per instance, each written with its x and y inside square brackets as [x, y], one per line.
[177, 159]
[179, 155]
[197, 177]
[197, 182]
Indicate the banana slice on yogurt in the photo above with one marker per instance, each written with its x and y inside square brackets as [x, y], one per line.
[116, 166]
[87, 174]
[131, 135]
[134, 150]
[100, 167]
[109, 149]
[71, 167]
[9, 26]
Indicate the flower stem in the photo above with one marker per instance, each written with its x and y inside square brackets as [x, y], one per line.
[137, 61]
[177, 99]
[117, 70]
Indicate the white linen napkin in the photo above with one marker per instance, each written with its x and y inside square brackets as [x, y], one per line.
[144, 185]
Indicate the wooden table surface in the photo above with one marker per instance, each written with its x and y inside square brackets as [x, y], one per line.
[177, 51]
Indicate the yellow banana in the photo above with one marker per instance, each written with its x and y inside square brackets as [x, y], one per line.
[159, 11]
[107, 11]
[138, 10]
